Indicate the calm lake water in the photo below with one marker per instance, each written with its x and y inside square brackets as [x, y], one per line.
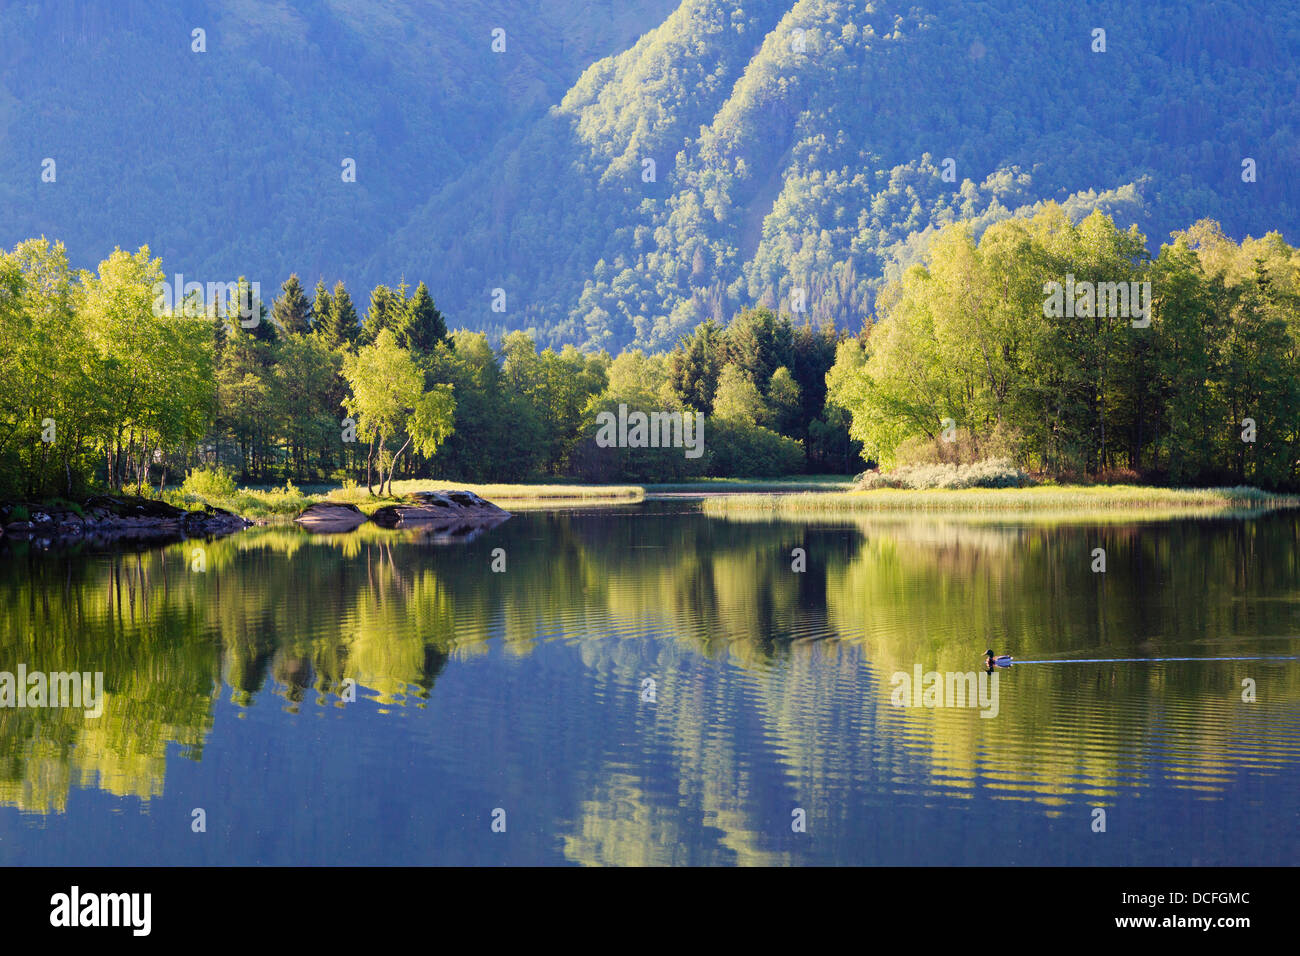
[525, 690]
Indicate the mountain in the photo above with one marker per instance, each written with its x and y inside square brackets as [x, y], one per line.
[810, 145]
[229, 161]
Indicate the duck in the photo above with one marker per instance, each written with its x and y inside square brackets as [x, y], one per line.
[999, 660]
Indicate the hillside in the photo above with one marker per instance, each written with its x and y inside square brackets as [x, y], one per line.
[782, 159]
[779, 169]
[228, 162]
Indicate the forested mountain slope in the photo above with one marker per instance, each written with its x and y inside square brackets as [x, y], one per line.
[811, 160]
[795, 145]
[228, 162]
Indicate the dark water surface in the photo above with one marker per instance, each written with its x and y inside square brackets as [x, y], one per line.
[523, 690]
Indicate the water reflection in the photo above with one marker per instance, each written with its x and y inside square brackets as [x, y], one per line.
[771, 691]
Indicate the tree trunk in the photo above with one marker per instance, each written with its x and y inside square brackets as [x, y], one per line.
[393, 467]
[370, 461]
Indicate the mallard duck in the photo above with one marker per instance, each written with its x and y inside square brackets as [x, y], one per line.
[1000, 660]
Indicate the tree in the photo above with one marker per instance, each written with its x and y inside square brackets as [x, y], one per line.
[291, 311]
[320, 308]
[696, 363]
[305, 373]
[783, 402]
[738, 398]
[759, 342]
[388, 399]
[47, 373]
[497, 432]
[339, 324]
[386, 306]
[557, 387]
[121, 327]
[422, 326]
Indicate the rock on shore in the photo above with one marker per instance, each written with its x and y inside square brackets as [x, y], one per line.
[450, 513]
[329, 516]
[115, 516]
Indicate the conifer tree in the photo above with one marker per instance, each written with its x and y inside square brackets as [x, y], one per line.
[320, 308]
[291, 311]
[338, 327]
[423, 326]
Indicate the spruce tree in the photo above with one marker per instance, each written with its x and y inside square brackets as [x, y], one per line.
[292, 311]
[384, 313]
[341, 327]
[320, 308]
[424, 326]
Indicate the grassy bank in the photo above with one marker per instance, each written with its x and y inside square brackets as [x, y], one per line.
[1050, 500]
[287, 501]
[715, 486]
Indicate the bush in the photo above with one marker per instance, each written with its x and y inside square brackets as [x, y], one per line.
[284, 500]
[209, 483]
[966, 448]
[349, 493]
[19, 513]
[993, 473]
[741, 450]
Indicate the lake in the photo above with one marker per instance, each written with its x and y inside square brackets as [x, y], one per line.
[642, 684]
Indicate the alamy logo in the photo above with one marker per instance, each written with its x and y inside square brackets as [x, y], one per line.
[38, 689]
[1116, 300]
[655, 430]
[949, 689]
[195, 299]
[102, 909]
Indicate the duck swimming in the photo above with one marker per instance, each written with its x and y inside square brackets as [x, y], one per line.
[999, 660]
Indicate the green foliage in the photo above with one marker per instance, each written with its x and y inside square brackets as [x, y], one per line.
[776, 171]
[423, 327]
[783, 402]
[814, 175]
[292, 311]
[738, 398]
[103, 386]
[209, 483]
[389, 398]
[337, 325]
[695, 365]
[743, 450]
[993, 473]
[970, 338]
[94, 371]
[130, 84]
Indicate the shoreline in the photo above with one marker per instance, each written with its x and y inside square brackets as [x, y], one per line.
[1106, 502]
[106, 517]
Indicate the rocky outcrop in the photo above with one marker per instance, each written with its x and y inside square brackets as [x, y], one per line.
[441, 514]
[105, 516]
[437, 507]
[329, 516]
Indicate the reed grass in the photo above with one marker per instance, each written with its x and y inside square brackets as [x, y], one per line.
[712, 486]
[1053, 499]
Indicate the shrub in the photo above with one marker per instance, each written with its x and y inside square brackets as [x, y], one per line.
[209, 483]
[742, 450]
[966, 448]
[349, 493]
[285, 499]
[993, 473]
